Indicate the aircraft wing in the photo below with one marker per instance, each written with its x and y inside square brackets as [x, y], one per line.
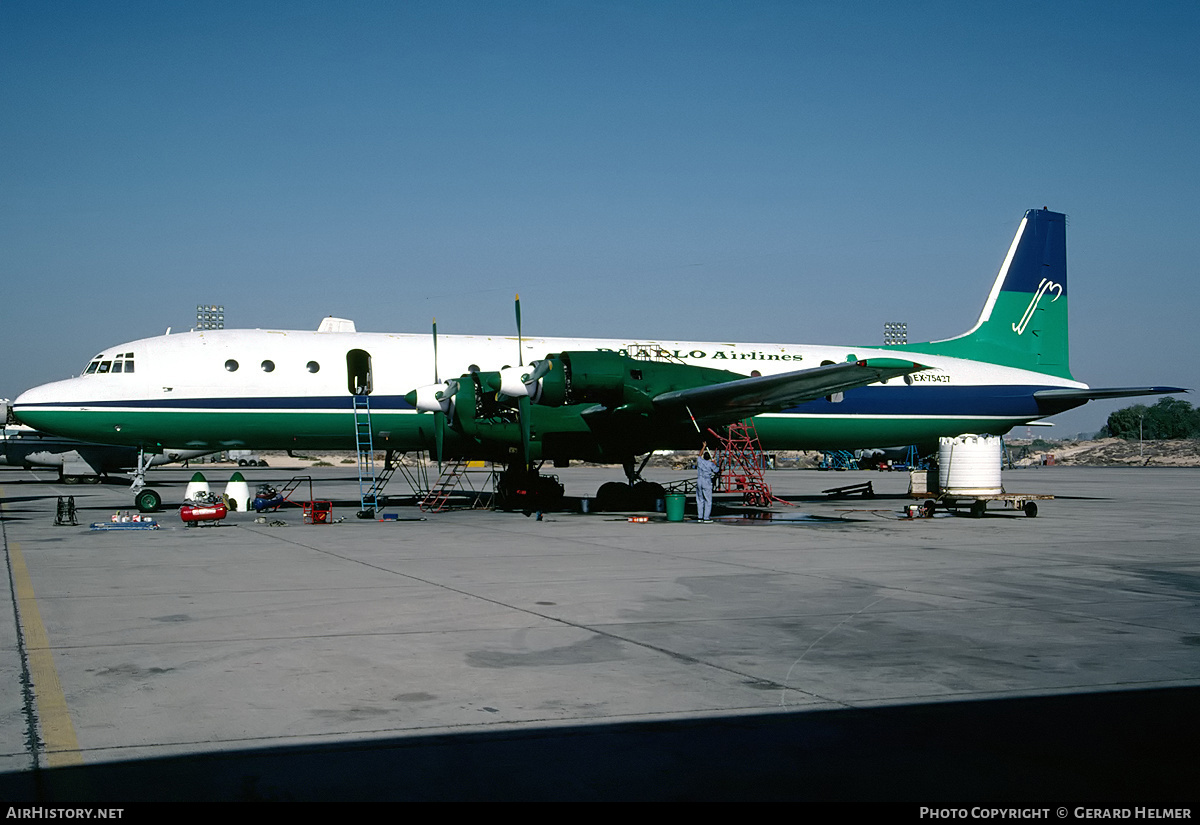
[731, 400]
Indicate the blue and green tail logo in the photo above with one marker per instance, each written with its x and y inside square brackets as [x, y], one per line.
[1024, 322]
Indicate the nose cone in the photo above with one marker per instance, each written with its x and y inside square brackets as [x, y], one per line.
[53, 393]
[43, 407]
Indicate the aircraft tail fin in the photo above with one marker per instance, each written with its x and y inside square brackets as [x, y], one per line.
[1024, 321]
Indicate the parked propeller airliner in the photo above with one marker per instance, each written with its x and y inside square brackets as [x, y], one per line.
[596, 400]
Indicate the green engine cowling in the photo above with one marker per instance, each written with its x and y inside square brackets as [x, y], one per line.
[585, 377]
[619, 382]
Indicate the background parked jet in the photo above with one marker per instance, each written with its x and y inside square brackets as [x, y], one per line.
[22, 446]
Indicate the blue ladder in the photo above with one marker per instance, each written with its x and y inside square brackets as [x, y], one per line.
[368, 487]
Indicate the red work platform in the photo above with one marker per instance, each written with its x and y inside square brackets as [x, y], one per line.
[742, 464]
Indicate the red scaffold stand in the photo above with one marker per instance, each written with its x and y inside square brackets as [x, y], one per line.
[743, 465]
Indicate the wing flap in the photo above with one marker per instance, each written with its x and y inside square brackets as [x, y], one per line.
[770, 393]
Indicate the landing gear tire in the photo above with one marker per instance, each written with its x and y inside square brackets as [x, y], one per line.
[646, 495]
[147, 501]
[613, 495]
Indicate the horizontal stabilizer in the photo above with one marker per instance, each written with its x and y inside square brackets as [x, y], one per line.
[767, 393]
[1096, 393]
[1052, 402]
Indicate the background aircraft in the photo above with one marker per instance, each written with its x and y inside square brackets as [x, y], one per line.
[22, 446]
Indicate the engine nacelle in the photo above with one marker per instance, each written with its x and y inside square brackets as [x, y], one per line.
[595, 377]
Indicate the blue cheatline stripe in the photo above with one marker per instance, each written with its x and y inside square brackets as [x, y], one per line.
[993, 400]
[335, 403]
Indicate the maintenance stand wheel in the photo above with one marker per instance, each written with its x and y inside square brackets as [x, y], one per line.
[978, 508]
[928, 508]
[1030, 509]
[147, 501]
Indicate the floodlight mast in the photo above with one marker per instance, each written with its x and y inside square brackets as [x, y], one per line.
[210, 316]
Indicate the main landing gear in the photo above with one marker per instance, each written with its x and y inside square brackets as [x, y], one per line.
[637, 494]
[527, 490]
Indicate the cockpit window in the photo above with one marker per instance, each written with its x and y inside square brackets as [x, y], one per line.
[121, 363]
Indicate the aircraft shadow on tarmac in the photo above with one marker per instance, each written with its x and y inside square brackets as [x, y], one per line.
[1127, 747]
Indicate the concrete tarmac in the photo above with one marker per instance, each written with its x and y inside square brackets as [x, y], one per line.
[484, 655]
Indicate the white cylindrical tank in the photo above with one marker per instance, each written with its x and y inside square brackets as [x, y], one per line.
[238, 493]
[198, 484]
[969, 465]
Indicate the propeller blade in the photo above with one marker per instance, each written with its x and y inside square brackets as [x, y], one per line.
[520, 343]
[435, 372]
[439, 434]
[524, 408]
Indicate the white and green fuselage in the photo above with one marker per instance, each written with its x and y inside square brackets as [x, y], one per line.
[269, 389]
[182, 392]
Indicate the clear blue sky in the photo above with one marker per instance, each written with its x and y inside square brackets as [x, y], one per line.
[749, 171]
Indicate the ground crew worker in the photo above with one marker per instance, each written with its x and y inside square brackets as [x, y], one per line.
[706, 471]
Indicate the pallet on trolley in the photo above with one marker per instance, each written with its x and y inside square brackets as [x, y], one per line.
[976, 503]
